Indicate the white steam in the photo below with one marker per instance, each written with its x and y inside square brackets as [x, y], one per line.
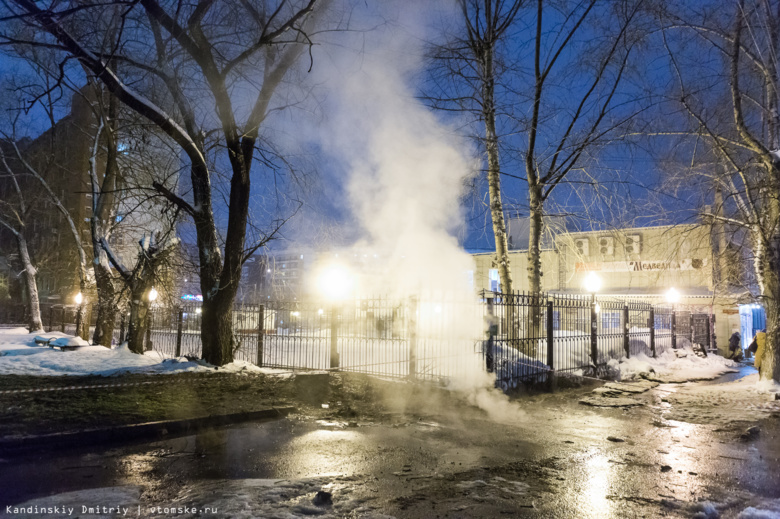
[406, 172]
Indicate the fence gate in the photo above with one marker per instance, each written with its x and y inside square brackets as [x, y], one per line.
[700, 330]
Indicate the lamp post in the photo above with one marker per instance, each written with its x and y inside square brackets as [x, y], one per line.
[672, 297]
[334, 284]
[592, 284]
[79, 300]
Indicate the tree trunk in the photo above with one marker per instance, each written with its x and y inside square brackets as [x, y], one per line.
[494, 173]
[104, 204]
[34, 323]
[106, 307]
[535, 239]
[724, 269]
[217, 331]
[139, 313]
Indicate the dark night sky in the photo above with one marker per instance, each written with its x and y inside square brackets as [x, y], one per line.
[622, 169]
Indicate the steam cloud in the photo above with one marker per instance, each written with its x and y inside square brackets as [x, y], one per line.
[406, 172]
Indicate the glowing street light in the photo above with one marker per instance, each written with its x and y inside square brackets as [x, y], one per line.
[592, 283]
[672, 296]
[152, 295]
[335, 282]
[78, 298]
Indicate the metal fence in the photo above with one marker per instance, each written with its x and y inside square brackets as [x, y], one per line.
[519, 337]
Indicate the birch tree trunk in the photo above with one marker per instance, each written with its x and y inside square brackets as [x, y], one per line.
[494, 173]
[34, 323]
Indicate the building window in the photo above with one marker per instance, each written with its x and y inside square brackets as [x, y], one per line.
[495, 281]
[610, 320]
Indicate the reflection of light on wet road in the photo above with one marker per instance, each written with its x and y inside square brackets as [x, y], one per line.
[597, 486]
[682, 456]
[322, 452]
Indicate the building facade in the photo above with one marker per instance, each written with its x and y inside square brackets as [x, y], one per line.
[641, 263]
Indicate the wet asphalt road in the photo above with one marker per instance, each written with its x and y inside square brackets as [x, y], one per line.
[543, 456]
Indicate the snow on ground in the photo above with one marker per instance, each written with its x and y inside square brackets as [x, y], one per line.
[762, 509]
[20, 355]
[742, 400]
[680, 365]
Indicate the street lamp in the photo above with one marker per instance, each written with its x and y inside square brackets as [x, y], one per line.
[152, 295]
[672, 297]
[592, 284]
[334, 282]
[79, 299]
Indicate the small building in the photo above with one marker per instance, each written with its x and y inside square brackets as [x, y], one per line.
[640, 263]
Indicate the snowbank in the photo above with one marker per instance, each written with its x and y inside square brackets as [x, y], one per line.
[19, 355]
[672, 366]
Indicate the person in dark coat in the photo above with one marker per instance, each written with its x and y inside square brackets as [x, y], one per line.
[735, 350]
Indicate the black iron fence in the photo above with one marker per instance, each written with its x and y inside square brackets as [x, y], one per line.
[518, 337]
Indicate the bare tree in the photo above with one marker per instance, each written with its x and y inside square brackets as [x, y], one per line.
[466, 81]
[560, 100]
[155, 249]
[182, 65]
[733, 112]
[15, 214]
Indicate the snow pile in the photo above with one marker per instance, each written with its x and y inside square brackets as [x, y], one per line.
[740, 401]
[20, 355]
[671, 366]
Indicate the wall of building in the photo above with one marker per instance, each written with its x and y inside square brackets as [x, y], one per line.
[646, 260]
[518, 262]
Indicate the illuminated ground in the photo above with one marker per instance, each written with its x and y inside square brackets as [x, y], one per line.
[550, 457]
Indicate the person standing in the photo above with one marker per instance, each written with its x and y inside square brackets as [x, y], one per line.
[757, 347]
[735, 351]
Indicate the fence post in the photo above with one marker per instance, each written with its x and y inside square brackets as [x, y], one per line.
[713, 338]
[626, 341]
[179, 331]
[62, 319]
[551, 347]
[492, 331]
[260, 335]
[413, 338]
[594, 332]
[334, 338]
[674, 330]
[706, 346]
[651, 325]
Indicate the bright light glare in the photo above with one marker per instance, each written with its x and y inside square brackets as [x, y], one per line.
[153, 294]
[335, 282]
[592, 282]
[198, 310]
[598, 308]
[319, 312]
[79, 298]
[672, 296]
[295, 314]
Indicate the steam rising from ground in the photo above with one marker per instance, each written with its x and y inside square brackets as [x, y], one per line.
[406, 172]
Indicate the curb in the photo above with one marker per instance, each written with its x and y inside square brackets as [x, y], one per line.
[141, 431]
